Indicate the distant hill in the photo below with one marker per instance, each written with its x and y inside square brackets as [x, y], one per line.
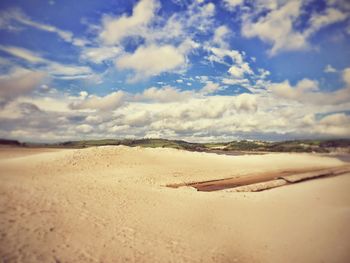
[319, 146]
[152, 143]
[6, 142]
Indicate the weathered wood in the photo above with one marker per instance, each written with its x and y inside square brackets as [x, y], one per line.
[262, 181]
[258, 186]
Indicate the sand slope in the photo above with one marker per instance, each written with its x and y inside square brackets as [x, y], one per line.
[109, 204]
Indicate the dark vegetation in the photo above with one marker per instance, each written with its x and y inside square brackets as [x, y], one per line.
[10, 142]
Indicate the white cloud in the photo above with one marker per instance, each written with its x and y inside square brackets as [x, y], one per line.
[115, 30]
[219, 51]
[7, 16]
[100, 54]
[229, 81]
[218, 55]
[238, 71]
[62, 71]
[210, 87]
[285, 90]
[152, 60]
[84, 128]
[50, 102]
[277, 25]
[196, 117]
[329, 16]
[197, 109]
[23, 54]
[137, 118]
[65, 35]
[246, 102]
[145, 24]
[337, 124]
[307, 91]
[329, 69]
[335, 119]
[346, 76]
[93, 102]
[164, 94]
[277, 28]
[19, 82]
[220, 35]
[54, 69]
[233, 3]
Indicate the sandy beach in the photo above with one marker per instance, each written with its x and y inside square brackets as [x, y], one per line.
[111, 204]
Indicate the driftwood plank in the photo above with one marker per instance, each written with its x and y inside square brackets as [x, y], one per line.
[263, 181]
[258, 186]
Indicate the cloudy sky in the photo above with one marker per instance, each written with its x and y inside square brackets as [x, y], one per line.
[197, 70]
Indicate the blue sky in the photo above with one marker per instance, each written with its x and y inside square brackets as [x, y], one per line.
[194, 70]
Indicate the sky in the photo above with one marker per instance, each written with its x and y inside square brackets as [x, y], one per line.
[196, 70]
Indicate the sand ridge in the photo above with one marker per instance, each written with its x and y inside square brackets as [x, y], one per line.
[110, 204]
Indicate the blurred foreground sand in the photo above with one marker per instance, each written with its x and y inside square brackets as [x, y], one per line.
[110, 204]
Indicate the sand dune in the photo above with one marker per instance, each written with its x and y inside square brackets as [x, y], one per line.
[110, 204]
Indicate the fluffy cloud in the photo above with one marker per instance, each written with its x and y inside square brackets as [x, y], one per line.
[334, 124]
[238, 71]
[335, 119]
[164, 94]
[172, 37]
[220, 34]
[137, 119]
[196, 118]
[115, 29]
[219, 49]
[232, 81]
[231, 4]
[277, 26]
[19, 82]
[152, 60]
[93, 102]
[210, 87]
[146, 24]
[346, 76]
[84, 128]
[283, 36]
[198, 16]
[307, 91]
[220, 52]
[285, 90]
[100, 54]
[329, 16]
[246, 102]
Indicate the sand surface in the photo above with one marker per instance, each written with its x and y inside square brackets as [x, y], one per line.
[110, 204]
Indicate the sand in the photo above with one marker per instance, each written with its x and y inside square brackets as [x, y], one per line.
[110, 204]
